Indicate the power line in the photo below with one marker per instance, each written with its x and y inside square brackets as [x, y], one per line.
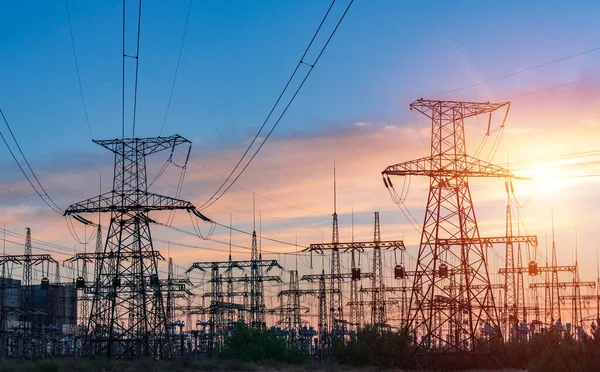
[576, 155]
[214, 197]
[137, 64]
[87, 120]
[555, 86]
[516, 72]
[187, 18]
[42, 194]
[253, 192]
[123, 78]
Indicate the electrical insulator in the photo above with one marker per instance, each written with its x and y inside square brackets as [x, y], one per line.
[45, 284]
[390, 181]
[443, 271]
[399, 272]
[80, 283]
[154, 280]
[385, 183]
[533, 268]
[356, 273]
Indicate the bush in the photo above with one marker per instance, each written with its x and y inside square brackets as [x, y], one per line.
[255, 345]
[372, 347]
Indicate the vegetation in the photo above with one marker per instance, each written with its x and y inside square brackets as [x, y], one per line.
[371, 350]
[551, 351]
[254, 345]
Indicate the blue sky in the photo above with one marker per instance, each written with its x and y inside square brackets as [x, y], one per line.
[237, 56]
[236, 59]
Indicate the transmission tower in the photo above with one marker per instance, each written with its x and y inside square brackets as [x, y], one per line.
[554, 299]
[354, 311]
[128, 317]
[378, 306]
[510, 298]
[170, 295]
[336, 313]
[27, 283]
[450, 243]
[257, 308]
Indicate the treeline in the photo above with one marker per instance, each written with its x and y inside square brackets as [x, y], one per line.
[254, 346]
[550, 351]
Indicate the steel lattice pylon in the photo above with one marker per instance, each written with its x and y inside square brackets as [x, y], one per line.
[452, 306]
[378, 317]
[128, 317]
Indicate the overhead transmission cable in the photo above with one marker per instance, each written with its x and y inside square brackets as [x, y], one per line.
[555, 87]
[87, 120]
[187, 18]
[123, 77]
[253, 192]
[224, 187]
[137, 65]
[39, 189]
[516, 72]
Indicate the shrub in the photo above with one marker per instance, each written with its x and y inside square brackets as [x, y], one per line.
[255, 345]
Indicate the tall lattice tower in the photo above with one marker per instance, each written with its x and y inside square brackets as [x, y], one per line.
[378, 305]
[554, 295]
[451, 250]
[27, 283]
[354, 279]
[510, 298]
[293, 319]
[127, 315]
[336, 313]
[257, 308]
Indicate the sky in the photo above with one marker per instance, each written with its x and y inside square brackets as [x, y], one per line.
[353, 109]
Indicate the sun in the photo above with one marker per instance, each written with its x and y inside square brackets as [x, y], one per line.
[546, 178]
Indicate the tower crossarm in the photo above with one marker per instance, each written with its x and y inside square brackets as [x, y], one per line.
[343, 276]
[228, 265]
[234, 294]
[563, 285]
[488, 241]
[541, 269]
[144, 146]
[455, 110]
[288, 292]
[243, 279]
[288, 308]
[582, 297]
[477, 286]
[463, 166]
[124, 255]
[361, 246]
[133, 201]
[391, 301]
[388, 289]
[34, 259]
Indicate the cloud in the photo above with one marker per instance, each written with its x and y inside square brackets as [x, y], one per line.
[293, 180]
